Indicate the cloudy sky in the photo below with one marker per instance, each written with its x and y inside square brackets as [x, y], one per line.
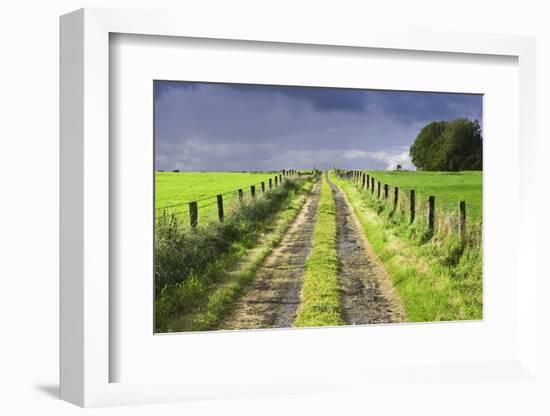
[228, 127]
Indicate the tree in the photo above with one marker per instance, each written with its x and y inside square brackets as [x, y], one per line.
[448, 146]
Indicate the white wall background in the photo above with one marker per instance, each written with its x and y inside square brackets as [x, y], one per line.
[29, 188]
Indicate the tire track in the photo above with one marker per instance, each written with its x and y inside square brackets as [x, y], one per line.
[272, 299]
[367, 295]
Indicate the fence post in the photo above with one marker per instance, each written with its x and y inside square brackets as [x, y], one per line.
[220, 207]
[240, 195]
[395, 198]
[386, 189]
[462, 220]
[253, 191]
[372, 185]
[270, 186]
[193, 214]
[280, 178]
[276, 179]
[412, 206]
[431, 212]
[263, 187]
[378, 189]
[364, 179]
[368, 180]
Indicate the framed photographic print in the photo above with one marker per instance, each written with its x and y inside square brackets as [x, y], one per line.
[270, 212]
[243, 243]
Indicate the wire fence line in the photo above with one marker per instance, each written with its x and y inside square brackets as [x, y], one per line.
[415, 207]
[225, 203]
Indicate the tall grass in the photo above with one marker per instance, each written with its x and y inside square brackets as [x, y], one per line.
[190, 262]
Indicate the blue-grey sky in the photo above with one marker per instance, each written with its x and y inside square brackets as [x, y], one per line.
[228, 127]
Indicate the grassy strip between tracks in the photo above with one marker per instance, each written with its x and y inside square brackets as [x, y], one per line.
[202, 300]
[320, 298]
[434, 280]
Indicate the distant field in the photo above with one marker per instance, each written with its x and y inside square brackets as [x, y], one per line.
[447, 187]
[175, 188]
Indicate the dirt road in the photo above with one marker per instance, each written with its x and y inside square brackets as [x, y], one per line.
[367, 295]
[272, 299]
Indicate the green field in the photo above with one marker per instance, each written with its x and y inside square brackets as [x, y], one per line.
[173, 190]
[447, 187]
[201, 272]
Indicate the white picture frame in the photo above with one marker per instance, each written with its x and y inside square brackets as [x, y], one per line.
[85, 213]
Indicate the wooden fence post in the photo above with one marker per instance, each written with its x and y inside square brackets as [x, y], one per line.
[368, 180]
[378, 189]
[253, 191]
[462, 220]
[280, 178]
[395, 198]
[364, 179]
[372, 185]
[276, 179]
[386, 189]
[220, 207]
[193, 214]
[431, 212]
[240, 195]
[263, 187]
[412, 206]
[270, 185]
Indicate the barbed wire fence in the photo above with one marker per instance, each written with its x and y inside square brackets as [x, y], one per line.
[218, 207]
[414, 207]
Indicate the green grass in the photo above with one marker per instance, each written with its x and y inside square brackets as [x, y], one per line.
[438, 278]
[447, 187]
[175, 188]
[195, 277]
[320, 297]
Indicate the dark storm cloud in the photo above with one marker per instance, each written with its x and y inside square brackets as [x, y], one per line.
[206, 126]
[410, 106]
[163, 87]
[321, 99]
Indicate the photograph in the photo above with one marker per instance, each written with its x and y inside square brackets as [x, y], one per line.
[281, 206]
